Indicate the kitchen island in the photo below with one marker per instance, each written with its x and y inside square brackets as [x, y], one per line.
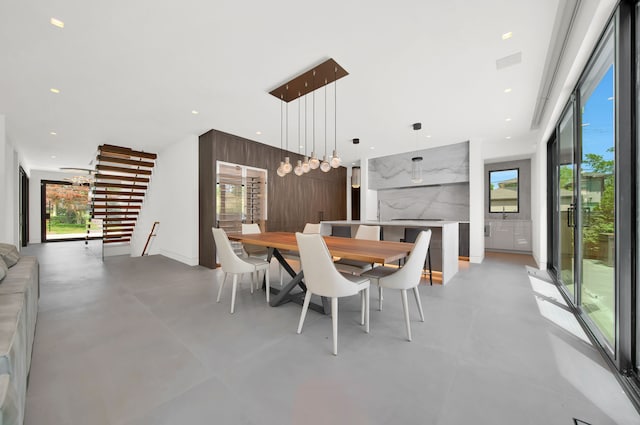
[444, 239]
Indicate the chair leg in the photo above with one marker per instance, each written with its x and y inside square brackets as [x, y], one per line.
[380, 298]
[430, 271]
[266, 280]
[281, 274]
[362, 307]
[305, 307]
[417, 295]
[233, 292]
[334, 320]
[405, 307]
[366, 309]
[221, 286]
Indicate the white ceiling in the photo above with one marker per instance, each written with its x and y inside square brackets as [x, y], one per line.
[131, 72]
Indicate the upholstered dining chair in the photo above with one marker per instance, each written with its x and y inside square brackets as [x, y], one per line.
[410, 236]
[371, 233]
[309, 228]
[407, 277]
[253, 250]
[236, 266]
[322, 278]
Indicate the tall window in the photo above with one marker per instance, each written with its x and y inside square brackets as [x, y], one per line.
[503, 191]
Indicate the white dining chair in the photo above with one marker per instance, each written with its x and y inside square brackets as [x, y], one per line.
[236, 266]
[253, 250]
[322, 278]
[371, 233]
[407, 277]
[309, 228]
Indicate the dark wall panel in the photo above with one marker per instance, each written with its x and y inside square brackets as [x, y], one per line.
[292, 201]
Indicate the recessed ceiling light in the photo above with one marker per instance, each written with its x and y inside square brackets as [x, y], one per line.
[508, 137]
[56, 23]
[258, 132]
[194, 112]
[372, 147]
[507, 90]
[53, 157]
[428, 136]
[507, 119]
[53, 133]
[507, 35]
[301, 147]
[353, 163]
[54, 90]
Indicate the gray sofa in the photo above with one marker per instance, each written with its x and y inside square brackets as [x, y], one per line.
[19, 293]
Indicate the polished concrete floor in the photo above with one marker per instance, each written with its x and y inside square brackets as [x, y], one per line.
[142, 341]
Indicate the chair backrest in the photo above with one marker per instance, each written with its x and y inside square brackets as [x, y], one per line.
[411, 234]
[371, 233]
[311, 228]
[229, 261]
[250, 229]
[409, 275]
[320, 274]
[341, 231]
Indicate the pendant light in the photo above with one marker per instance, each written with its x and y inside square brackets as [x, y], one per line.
[314, 163]
[287, 163]
[325, 166]
[335, 159]
[416, 161]
[298, 169]
[280, 170]
[355, 170]
[305, 163]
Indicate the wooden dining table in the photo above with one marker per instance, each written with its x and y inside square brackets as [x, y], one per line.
[380, 252]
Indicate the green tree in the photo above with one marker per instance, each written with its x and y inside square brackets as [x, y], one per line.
[602, 219]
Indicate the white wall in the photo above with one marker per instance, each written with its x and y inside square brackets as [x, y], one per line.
[476, 201]
[172, 199]
[9, 190]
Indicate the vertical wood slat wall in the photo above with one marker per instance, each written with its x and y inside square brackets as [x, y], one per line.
[292, 201]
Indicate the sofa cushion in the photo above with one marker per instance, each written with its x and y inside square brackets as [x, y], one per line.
[9, 254]
[9, 408]
[3, 269]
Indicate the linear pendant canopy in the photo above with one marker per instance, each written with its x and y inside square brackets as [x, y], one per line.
[325, 73]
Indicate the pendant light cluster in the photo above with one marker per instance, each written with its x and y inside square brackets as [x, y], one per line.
[324, 74]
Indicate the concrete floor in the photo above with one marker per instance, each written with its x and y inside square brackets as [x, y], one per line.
[142, 341]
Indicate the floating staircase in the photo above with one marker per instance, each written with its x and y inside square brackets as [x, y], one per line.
[121, 180]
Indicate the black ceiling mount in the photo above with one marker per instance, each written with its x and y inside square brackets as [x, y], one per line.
[356, 141]
[417, 126]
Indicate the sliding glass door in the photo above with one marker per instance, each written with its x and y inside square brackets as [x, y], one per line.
[566, 202]
[597, 231]
[584, 196]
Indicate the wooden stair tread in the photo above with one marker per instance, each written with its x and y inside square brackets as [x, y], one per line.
[124, 170]
[127, 151]
[116, 240]
[121, 178]
[116, 160]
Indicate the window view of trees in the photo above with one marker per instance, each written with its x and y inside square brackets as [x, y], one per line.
[68, 208]
[503, 191]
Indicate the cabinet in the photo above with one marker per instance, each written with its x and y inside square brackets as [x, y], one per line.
[508, 235]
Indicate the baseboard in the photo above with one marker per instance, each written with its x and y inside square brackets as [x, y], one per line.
[190, 261]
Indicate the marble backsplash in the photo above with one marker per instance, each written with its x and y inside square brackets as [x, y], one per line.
[446, 202]
[441, 165]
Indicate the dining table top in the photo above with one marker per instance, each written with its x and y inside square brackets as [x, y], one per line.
[353, 249]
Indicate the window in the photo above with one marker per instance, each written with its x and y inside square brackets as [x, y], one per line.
[503, 191]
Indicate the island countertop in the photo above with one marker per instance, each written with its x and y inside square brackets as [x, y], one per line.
[444, 238]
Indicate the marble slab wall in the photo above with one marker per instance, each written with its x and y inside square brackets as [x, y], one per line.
[447, 202]
[441, 165]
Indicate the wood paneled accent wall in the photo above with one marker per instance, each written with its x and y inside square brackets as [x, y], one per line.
[292, 200]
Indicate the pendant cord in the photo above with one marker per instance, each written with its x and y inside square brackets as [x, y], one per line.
[335, 110]
[325, 119]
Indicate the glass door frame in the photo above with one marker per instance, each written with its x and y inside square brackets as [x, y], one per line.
[621, 356]
[43, 213]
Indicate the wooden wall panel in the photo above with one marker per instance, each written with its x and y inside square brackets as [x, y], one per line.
[292, 201]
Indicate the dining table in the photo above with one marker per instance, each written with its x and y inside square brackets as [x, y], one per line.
[279, 243]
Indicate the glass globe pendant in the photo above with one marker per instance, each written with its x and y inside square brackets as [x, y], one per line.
[325, 166]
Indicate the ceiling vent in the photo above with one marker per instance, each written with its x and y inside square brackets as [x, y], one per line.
[510, 60]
